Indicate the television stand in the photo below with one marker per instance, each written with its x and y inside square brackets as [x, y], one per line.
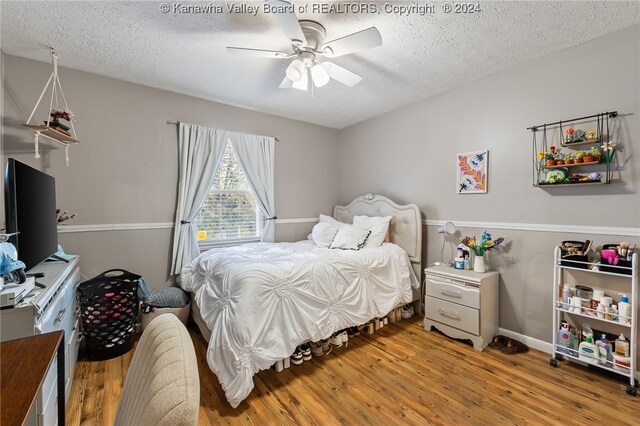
[55, 257]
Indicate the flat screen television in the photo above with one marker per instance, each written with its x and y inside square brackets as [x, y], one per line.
[30, 210]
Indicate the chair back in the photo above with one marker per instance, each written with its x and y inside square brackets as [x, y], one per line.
[162, 385]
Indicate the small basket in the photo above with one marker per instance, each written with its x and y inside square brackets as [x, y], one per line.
[623, 267]
[576, 258]
[109, 309]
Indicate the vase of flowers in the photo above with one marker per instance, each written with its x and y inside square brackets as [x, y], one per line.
[480, 247]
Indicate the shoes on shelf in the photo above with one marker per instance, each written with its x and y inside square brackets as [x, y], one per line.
[306, 352]
[296, 357]
[336, 339]
[326, 346]
[316, 348]
[407, 311]
[350, 333]
[356, 331]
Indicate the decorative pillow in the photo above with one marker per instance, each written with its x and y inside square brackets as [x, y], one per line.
[378, 225]
[350, 237]
[324, 231]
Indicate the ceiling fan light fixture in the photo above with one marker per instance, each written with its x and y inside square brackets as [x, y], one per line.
[302, 83]
[319, 75]
[296, 70]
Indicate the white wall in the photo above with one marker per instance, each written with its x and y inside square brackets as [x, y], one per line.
[410, 155]
[125, 168]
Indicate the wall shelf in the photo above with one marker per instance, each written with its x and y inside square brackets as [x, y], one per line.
[51, 133]
[598, 172]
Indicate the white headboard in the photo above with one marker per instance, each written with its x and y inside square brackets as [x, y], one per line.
[406, 223]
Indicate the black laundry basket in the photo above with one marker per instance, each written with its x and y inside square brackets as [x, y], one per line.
[109, 308]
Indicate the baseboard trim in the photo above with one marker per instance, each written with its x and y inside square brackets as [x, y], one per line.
[533, 343]
[537, 344]
[542, 227]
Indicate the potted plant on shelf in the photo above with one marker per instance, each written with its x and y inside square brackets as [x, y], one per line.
[568, 137]
[579, 157]
[568, 159]
[588, 157]
[546, 159]
[60, 114]
[595, 152]
[479, 248]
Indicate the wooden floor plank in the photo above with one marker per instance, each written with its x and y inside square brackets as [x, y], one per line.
[399, 375]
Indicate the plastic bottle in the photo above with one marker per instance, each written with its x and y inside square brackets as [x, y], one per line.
[566, 294]
[564, 338]
[622, 345]
[624, 310]
[605, 351]
[614, 313]
[588, 352]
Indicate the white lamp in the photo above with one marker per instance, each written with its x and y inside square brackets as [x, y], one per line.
[319, 75]
[303, 82]
[447, 229]
[296, 70]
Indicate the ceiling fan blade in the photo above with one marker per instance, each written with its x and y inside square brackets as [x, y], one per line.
[286, 83]
[241, 51]
[342, 75]
[284, 14]
[365, 39]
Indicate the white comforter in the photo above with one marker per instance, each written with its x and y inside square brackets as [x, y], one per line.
[262, 300]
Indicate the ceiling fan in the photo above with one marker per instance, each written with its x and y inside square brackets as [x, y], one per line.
[308, 45]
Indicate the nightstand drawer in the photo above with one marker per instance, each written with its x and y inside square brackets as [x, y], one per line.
[454, 315]
[453, 291]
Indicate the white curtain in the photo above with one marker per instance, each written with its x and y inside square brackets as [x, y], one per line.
[256, 156]
[199, 151]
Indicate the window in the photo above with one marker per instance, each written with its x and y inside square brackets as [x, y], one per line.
[229, 213]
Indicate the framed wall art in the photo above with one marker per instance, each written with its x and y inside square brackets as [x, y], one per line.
[472, 172]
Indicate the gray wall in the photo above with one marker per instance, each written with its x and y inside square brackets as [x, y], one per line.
[410, 155]
[125, 168]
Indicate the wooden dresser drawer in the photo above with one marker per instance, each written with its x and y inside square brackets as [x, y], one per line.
[458, 316]
[453, 291]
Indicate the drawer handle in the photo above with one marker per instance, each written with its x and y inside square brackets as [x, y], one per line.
[61, 315]
[448, 314]
[455, 294]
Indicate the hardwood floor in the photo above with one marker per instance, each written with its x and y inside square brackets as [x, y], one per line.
[400, 375]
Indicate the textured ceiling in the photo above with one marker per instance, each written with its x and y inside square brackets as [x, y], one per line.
[421, 55]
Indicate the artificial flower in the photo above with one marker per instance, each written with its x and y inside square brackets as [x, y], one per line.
[608, 146]
[542, 154]
[570, 130]
[485, 243]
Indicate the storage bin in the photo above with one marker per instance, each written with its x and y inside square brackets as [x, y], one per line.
[623, 267]
[109, 309]
[566, 259]
[182, 314]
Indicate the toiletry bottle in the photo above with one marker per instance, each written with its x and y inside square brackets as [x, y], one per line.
[566, 294]
[604, 350]
[614, 313]
[564, 337]
[624, 310]
[574, 341]
[622, 346]
[600, 311]
[588, 352]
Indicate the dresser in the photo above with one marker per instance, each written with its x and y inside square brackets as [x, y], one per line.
[49, 309]
[462, 304]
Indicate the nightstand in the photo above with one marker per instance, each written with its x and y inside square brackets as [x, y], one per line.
[462, 304]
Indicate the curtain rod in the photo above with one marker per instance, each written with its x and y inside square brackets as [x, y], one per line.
[177, 122]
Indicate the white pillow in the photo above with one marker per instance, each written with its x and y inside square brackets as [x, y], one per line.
[324, 231]
[378, 225]
[350, 237]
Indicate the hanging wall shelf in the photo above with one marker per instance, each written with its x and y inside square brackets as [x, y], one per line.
[553, 168]
[52, 129]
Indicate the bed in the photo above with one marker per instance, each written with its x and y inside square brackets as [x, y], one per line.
[256, 302]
